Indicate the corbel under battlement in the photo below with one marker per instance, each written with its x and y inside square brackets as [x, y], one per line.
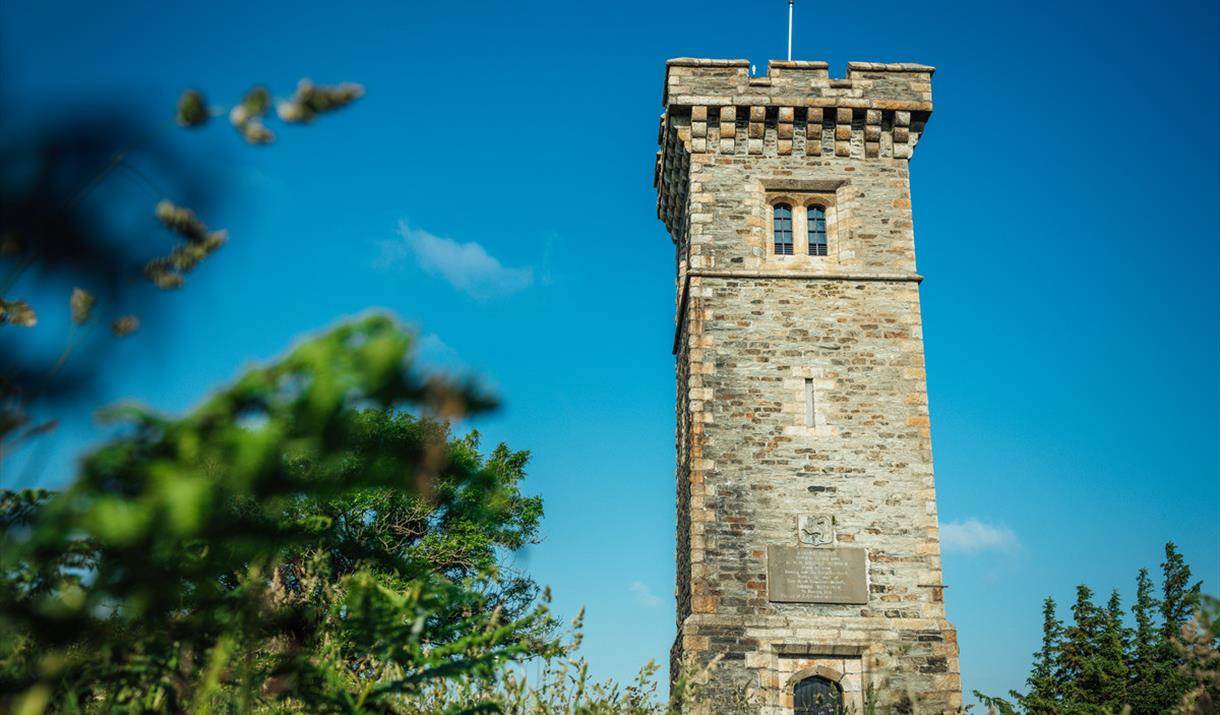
[716, 107]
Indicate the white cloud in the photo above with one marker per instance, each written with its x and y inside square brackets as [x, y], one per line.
[973, 536]
[644, 595]
[433, 353]
[466, 266]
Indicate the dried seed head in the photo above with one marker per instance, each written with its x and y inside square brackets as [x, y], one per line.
[167, 272]
[82, 305]
[255, 132]
[181, 221]
[17, 312]
[291, 112]
[311, 100]
[239, 115]
[125, 325]
[163, 274]
[247, 116]
[256, 102]
[192, 109]
[215, 240]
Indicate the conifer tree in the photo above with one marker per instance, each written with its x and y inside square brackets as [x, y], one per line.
[1169, 663]
[1179, 599]
[1142, 659]
[1045, 694]
[1080, 656]
[1112, 657]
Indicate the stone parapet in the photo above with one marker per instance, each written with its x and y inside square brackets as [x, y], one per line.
[715, 107]
[868, 85]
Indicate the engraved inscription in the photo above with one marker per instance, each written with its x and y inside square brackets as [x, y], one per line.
[798, 574]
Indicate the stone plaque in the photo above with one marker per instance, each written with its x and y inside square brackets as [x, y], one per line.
[797, 574]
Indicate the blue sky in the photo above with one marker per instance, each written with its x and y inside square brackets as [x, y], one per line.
[494, 189]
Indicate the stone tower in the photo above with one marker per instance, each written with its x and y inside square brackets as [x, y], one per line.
[808, 547]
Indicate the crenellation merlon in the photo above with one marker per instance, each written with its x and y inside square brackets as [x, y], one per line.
[867, 85]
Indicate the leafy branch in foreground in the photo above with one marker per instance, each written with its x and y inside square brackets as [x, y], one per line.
[310, 539]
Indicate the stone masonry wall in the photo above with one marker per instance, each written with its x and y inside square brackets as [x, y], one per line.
[752, 329]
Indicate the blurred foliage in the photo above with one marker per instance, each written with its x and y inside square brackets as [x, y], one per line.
[51, 234]
[310, 539]
[61, 251]
[1168, 663]
[559, 684]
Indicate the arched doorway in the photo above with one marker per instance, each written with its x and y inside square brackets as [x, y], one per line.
[817, 696]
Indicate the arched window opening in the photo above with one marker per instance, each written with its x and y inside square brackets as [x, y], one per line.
[817, 230]
[818, 696]
[783, 230]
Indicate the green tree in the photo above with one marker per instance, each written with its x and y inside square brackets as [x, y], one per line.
[310, 539]
[1045, 681]
[449, 526]
[1080, 659]
[1168, 663]
[1144, 651]
[1179, 600]
[1112, 657]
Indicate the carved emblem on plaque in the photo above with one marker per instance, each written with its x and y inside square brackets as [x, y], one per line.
[816, 529]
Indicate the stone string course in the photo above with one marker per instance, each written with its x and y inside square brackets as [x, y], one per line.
[751, 329]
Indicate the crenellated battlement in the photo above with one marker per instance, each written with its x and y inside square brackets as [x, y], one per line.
[715, 107]
[868, 85]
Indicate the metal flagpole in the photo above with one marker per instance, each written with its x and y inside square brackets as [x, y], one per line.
[789, 30]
